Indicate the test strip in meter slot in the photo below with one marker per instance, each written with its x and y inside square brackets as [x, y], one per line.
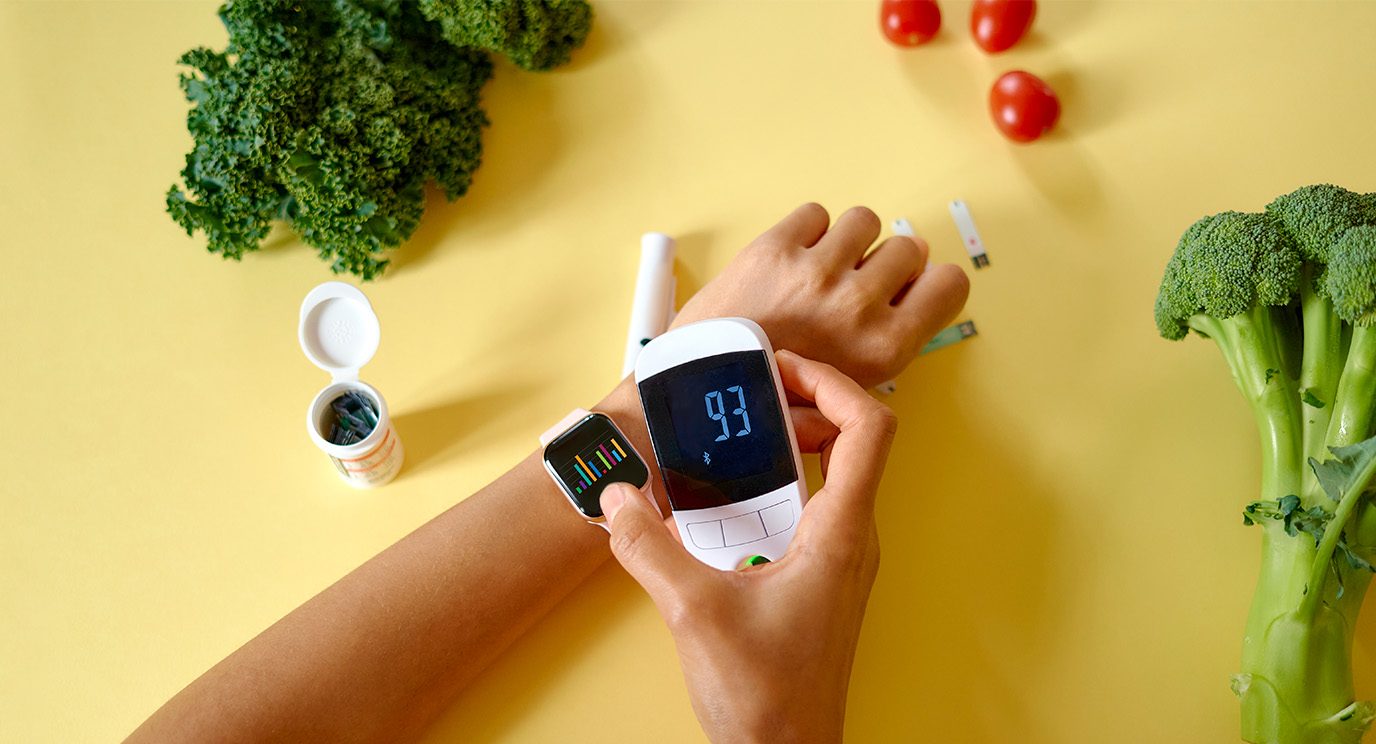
[965, 225]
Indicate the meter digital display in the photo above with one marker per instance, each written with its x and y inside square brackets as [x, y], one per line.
[724, 419]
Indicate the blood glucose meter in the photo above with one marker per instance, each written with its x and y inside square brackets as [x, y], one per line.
[718, 419]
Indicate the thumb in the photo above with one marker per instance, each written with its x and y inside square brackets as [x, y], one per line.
[643, 545]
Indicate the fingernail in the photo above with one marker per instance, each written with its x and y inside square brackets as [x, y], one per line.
[613, 498]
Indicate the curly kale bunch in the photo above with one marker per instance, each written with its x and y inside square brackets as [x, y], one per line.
[333, 115]
[535, 34]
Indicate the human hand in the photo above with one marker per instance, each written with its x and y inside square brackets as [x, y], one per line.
[767, 651]
[814, 291]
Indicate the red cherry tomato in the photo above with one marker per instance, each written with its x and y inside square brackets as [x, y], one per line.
[909, 22]
[1024, 108]
[999, 24]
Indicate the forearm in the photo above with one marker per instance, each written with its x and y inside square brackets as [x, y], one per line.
[377, 655]
[381, 652]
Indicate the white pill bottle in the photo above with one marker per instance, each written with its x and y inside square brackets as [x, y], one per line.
[339, 333]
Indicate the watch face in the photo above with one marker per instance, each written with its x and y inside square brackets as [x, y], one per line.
[590, 455]
[718, 430]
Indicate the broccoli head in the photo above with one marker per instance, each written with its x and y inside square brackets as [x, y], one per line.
[1351, 276]
[1225, 265]
[1316, 216]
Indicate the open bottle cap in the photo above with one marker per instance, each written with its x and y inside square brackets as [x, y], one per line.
[339, 330]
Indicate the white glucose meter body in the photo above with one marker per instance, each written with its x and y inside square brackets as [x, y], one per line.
[718, 419]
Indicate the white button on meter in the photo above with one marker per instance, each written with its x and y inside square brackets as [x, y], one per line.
[718, 419]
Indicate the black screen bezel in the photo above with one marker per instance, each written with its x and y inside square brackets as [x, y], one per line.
[594, 428]
[687, 493]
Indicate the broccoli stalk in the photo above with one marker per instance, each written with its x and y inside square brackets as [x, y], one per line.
[1289, 297]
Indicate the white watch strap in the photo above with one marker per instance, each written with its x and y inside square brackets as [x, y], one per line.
[576, 415]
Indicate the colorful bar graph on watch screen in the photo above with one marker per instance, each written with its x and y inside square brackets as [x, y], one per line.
[594, 463]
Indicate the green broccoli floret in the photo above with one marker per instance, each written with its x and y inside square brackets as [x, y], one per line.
[1231, 279]
[534, 34]
[1289, 297]
[1317, 216]
[1351, 276]
[1228, 272]
[1351, 283]
[333, 116]
[1224, 266]
[1369, 201]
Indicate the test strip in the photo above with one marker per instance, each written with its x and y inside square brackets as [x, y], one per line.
[901, 226]
[950, 335]
[965, 225]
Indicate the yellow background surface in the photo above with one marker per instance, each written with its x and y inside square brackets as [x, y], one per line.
[1064, 559]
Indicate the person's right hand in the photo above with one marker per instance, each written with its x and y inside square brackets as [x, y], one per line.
[767, 651]
[813, 290]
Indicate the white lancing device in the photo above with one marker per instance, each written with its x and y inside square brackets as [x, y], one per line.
[755, 509]
[652, 308]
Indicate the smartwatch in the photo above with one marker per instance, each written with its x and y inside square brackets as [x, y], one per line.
[584, 453]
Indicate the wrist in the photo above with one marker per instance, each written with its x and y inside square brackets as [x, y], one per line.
[816, 726]
[805, 707]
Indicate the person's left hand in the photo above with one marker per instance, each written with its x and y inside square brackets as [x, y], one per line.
[818, 289]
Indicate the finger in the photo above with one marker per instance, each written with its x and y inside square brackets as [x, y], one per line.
[802, 228]
[893, 265]
[933, 301]
[846, 242]
[815, 433]
[643, 545]
[866, 429]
